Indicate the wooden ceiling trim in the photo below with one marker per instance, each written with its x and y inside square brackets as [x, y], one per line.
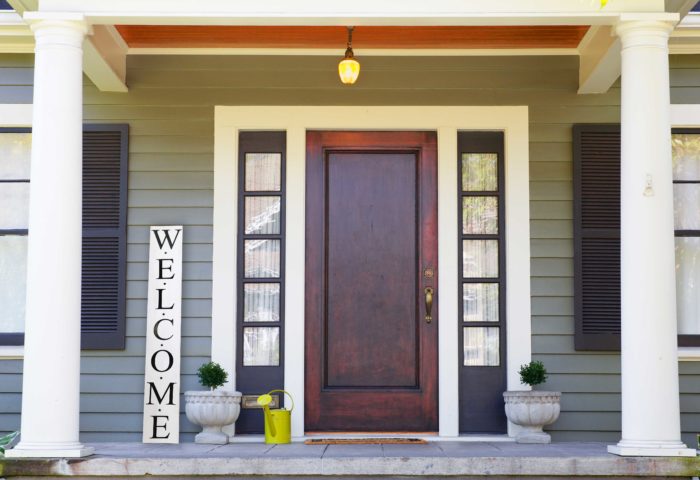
[167, 36]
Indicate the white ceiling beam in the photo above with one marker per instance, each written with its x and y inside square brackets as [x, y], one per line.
[685, 39]
[683, 7]
[22, 6]
[15, 35]
[104, 59]
[599, 60]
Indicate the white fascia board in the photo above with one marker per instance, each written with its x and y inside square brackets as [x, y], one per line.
[104, 59]
[433, 18]
[376, 7]
[600, 62]
[359, 12]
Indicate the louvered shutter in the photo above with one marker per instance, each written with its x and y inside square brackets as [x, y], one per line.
[597, 237]
[105, 151]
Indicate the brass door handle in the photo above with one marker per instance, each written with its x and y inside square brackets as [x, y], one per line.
[429, 304]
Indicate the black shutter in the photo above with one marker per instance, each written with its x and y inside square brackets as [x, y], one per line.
[105, 153]
[597, 237]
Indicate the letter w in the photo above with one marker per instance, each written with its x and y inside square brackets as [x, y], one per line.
[170, 241]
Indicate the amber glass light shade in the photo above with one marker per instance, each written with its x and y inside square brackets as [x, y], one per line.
[349, 70]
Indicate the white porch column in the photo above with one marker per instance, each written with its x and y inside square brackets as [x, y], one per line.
[650, 399]
[51, 376]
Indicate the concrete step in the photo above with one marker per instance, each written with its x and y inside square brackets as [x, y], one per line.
[435, 460]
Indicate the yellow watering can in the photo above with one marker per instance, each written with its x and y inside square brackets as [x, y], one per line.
[278, 422]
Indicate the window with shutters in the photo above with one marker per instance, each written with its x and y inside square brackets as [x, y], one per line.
[104, 234]
[686, 214]
[597, 235]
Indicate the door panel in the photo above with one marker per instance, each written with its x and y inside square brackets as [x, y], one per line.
[371, 218]
[371, 202]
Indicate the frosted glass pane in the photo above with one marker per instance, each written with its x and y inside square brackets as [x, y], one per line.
[261, 346]
[262, 215]
[480, 258]
[263, 172]
[479, 172]
[480, 302]
[13, 282]
[688, 285]
[261, 302]
[262, 258]
[686, 206]
[480, 215]
[14, 205]
[686, 156]
[15, 153]
[481, 347]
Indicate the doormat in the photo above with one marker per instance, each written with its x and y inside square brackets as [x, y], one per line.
[365, 441]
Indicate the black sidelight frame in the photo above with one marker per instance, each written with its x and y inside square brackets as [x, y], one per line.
[255, 380]
[481, 387]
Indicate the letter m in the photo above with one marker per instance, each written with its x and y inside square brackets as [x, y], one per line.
[153, 390]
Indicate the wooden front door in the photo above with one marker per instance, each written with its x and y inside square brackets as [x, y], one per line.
[371, 253]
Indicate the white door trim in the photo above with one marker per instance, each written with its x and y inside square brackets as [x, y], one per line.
[447, 121]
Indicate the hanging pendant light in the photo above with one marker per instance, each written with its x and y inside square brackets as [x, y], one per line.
[349, 68]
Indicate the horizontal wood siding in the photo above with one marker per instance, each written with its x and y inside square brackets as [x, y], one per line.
[170, 110]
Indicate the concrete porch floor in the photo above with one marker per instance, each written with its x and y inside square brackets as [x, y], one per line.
[432, 460]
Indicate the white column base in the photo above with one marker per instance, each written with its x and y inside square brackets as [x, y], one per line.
[49, 450]
[651, 449]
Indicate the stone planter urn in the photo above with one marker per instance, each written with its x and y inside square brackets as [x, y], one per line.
[212, 410]
[532, 410]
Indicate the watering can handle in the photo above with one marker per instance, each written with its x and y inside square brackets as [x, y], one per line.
[288, 394]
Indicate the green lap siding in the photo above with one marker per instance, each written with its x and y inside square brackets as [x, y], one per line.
[170, 110]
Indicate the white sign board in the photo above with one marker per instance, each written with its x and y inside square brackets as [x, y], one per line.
[161, 399]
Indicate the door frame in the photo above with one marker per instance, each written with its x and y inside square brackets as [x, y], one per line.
[447, 121]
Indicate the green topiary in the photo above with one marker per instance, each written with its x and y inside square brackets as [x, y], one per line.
[212, 375]
[533, 373]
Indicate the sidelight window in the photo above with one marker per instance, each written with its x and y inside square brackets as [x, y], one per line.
[262, 257]
[480, 219]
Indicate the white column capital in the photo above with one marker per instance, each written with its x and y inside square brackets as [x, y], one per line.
[646, 30]
[65, 29]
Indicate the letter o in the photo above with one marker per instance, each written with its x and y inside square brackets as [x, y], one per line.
[171, 361]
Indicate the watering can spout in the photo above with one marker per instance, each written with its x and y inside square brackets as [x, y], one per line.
[265, 401]
[278, 422]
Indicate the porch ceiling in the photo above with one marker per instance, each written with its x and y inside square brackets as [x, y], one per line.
[449, 37]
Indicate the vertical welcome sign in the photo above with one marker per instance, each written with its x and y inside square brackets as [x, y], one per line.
[161, 409]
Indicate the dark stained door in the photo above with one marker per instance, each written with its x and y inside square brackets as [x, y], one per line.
[371, 252]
